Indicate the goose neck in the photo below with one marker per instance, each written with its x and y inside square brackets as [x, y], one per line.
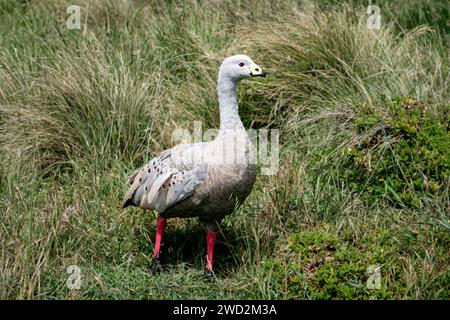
[229, 114]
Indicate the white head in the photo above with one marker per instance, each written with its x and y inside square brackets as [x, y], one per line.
[240, 66]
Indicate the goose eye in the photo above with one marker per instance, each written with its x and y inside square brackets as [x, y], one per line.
[241, 64]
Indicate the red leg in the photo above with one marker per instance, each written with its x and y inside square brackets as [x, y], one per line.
[210, 241]
[161, 224]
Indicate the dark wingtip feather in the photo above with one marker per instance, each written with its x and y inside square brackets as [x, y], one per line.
[127, 203]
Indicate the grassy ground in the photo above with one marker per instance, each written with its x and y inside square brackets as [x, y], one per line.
[364, 165]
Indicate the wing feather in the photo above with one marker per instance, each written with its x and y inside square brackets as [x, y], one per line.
[163, 183]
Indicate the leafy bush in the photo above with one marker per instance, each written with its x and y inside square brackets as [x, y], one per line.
[403, 153]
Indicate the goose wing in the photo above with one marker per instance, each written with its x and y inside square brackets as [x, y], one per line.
[169, 178]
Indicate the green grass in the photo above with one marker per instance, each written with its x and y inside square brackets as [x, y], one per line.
[364, 163]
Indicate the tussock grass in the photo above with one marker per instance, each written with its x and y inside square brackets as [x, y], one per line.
[80, 109]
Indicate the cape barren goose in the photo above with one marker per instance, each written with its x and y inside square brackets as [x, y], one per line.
[208, 180]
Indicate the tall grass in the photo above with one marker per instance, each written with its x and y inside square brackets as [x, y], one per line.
[79, 110]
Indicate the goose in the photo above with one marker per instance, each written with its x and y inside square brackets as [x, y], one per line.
[208, 180]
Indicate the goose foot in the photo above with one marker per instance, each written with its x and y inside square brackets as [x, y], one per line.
[157, 265]
[209, 273]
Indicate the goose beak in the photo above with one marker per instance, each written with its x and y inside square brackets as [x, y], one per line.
[256, 71]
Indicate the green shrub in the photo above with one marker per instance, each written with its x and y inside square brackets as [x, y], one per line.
[402, 154]
[338, 267]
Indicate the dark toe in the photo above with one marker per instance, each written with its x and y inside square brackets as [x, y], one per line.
[157, 265]
[209, 273]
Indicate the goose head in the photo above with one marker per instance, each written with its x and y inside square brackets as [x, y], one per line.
[238, 67]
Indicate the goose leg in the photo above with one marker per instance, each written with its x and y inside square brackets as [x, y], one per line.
[210, 242]
[161, 224]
